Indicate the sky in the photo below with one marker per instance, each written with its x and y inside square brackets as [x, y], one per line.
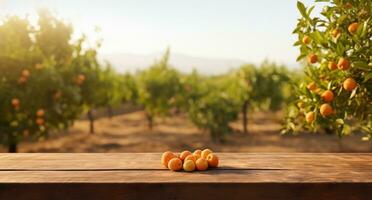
[249, 30]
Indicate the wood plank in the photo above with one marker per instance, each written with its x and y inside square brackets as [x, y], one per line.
[215, 191]
[119, 161]
[165, 176]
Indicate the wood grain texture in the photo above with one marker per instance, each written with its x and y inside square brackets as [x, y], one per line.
[141, 176]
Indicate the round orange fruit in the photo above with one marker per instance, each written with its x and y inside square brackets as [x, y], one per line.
[327, 96]
[353, 27]
[212, 160]
[191, 157]
[312, 58]
[166, 157]
[201, 164]
[350, 84]
[189, 165]
[343, 64]
[184, 154]
[326, 110]
[332, 65]
[205, 153]
[310, 117]
[175, 164]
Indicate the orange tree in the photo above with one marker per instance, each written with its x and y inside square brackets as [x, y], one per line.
[337, 47]
[259, 88]
[157, 89]
[31, 87]
[210, 106]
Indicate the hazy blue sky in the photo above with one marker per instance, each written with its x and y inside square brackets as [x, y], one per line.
[250, 30]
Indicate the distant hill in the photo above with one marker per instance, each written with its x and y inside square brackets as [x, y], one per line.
[124, 62]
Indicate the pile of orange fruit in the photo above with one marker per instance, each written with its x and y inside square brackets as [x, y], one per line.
[198, 160]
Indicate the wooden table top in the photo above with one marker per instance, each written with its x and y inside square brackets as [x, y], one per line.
[260, 176]
[146, 168]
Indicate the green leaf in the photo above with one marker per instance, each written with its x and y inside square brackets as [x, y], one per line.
[301, 7]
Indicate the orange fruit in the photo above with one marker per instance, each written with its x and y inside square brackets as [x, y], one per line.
[175, 164]
[212, 160]
[40, 113]
[25, 73]
[205, 153]
[310, 116]
[40, 121]
[350, 84]
[184, 154]
[15, 102]
[166, 157]
[353, 27]
[38, 66]
[190, 157]
[335, 32]
[343, 64]
[22, 80]
[189, 165]
[312, 58]
[306, 39]
[332, 65]
[201, 164]
[348, 5]
[312, 86]
[327, 96]
[326, 110]
[198, 151]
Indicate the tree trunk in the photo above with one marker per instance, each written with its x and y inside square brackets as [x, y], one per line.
[109, 112]
[12, 148]
[150, 120]
[245, 117]
[91, 121]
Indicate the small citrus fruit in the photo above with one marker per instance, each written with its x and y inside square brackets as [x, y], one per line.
[332, 65]
[191, 157]
[184, 154]
[326, 110]
[327, 96]
[310, 116]
[306, 39]
[175, 164]
[166, 157]
[212, 160]
[201, 164]
[205, 153]
[343, 64]
[189, 165]
[353, 27]
[349, 84]
[312, 58]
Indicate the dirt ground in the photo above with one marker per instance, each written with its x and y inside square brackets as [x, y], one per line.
[128, 133]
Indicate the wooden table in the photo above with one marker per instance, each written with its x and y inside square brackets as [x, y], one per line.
[140, 176]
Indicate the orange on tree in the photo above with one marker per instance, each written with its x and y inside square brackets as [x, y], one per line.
[166, 157]
[40, 113]
[40, 121]
[332, 65]
[312, 86]
[189, 165]
[353, 27]
[335, 32]
[25, 73]
[326, 110]
[350, 84]
[310, 117]
[306, 39]
[201, 164]
[15, 102]
[327, 96]
[212, 160]
[312, 58]
[343, 64]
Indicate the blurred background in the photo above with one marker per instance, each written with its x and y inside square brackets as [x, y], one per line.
[141, 76]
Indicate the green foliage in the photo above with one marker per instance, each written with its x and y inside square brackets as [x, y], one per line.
[157, 88]
[330, 40]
